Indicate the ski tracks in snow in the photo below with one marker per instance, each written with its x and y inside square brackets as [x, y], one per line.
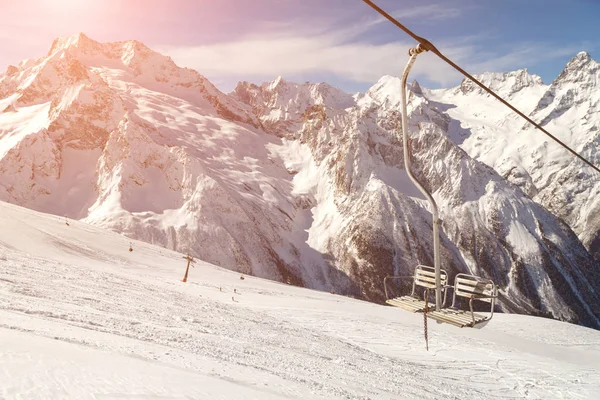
[459, 356]
[276, 339]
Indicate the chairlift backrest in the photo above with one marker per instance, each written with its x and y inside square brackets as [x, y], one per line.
[425, 277]
[470, 286]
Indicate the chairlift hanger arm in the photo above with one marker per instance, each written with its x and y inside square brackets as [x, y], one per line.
[427, 45]
[414, 52]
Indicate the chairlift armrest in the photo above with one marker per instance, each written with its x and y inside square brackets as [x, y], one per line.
[393, 277]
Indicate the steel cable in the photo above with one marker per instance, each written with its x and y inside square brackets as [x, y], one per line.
[427, 45]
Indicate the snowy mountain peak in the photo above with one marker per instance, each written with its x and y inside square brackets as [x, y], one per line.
[82, 43]
[320, 93]
[10, 70]
[387, 92]
[135, 54]
[581, 68]
[78, 40]
[416, 88]
[274, 84]
[576, 85]
[386, 80]
[386, 83]
[284, 101]
[581, 58]
[132, 55]
[504, 83]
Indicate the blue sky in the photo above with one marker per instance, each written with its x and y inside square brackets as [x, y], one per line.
[343, 42]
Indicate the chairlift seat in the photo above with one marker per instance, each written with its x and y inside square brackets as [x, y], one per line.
[473, 288]
[424, 277]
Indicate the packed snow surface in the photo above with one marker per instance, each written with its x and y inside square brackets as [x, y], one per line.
[83, 317]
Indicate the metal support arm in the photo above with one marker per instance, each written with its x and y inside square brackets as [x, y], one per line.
[434, 209]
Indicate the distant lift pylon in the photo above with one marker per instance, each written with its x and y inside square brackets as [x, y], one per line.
[466, 286]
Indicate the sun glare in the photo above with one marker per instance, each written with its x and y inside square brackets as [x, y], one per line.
[67, 17]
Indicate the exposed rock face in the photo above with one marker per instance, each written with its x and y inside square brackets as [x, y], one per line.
[300, 182]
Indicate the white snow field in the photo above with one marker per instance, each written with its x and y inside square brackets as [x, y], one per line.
[82, 317]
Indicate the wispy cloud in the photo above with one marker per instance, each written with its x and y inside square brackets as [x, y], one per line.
[313, 47]
[339, 52]
[428, 12]
[333, 40]
[258, 58]
[519, 56]
[316, 49]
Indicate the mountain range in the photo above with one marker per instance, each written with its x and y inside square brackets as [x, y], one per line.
[303, 183]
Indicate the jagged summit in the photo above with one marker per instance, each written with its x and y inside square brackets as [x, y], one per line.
[279, 81]
[10, 71]
[581, 68]
[386, 92]
[287, 101]
[582, 60]
[576, 85]
[581, 57]
[78, 40]
[320, 91]
[504, 83]
[415, 87]
[83, 43]
[130, 55]
[385, 81]
[80, 73]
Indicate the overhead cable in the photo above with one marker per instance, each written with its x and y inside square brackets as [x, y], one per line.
[427, 45]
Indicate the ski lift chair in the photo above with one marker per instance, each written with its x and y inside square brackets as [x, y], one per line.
[466, 286]
[473, 288]
[424, 277]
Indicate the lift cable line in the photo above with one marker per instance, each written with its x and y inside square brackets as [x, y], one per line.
[428, 46]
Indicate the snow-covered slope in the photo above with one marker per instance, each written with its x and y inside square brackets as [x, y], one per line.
[81, 316]
[300, 183]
